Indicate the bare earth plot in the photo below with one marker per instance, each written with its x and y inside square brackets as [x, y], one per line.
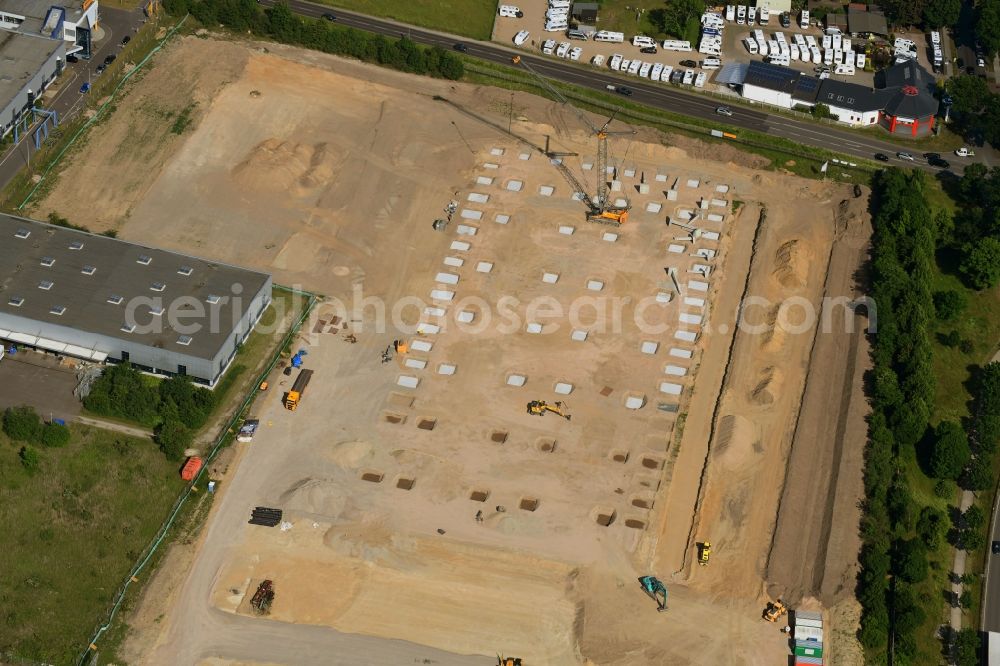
[427, 505]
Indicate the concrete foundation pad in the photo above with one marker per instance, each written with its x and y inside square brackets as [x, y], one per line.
[469, 214]
[461, 246]
[692, 182]
[690, 318]
[524, 157]
[466, 230]
[566, 230]
[630, 173]
[609, 237]
[431, 311]
[722, 188]
[546, 190]
[616, 186]
[635, 402]
[697, 285]
[446, 369]
[661, 177]
[533, 327]
[621, 203]
[664, 297]
[671, 195]
[595, 285]
[675, 370]
[514, 185]
[563, 388]
[407, 381]
[653, 207]
[643, 188]
[422, 345]
[674, 248]
[426, 328]
[465, 317]
[478, 198]
[649, 347]
[502, 218]
[694, 302]
[484, 180]
[550, 278]
[484, 267]
[677, 352]
[686, 336]
[497, 151]
[710, 235]
[491, 165]
[715, 217]
[442, 294]
[446, 278]
[516, 380]
[587, 166]
[415, 363]
[454, 262]
[670, 388]
[579, 335]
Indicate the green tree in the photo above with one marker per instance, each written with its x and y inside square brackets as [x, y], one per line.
[969, 94]
[967, 647]
[941, 13]
[284, 25]
[673, 19]
[22, 424]
[173, 437]
[30, 459]
[932, 526]
[978, 475]
[974, 518]
[949, 451]
[949, 304]
[980, 268]
[55, 435]
[821, 111]
[988, 25]
[910, 560]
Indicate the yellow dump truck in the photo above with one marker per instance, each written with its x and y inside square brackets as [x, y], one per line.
[298, 389]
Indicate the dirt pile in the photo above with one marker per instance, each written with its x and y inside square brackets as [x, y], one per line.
[275, 165]
[791, 261]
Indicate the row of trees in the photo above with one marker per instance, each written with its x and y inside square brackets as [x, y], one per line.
[975, 236]
[175, 406]
[678, 18]
[929, 14]
[279, 23]
[896, 535]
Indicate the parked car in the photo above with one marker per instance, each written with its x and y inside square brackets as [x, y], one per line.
[723, 111]
[461, 47]
[980, 61]
[938, 162]
[85, 88]
[905, 156]
[126, 39]
[100, 69]
[786, 20]
[996, 547]
[622, 90]
[648, 49]
[881, 157]
[688, 63]
[329, 17]
[931, 156]
[110, 59]
[72, 58]
[964, 151]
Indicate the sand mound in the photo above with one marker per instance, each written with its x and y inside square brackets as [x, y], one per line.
[774, 335]
[768, 384]
[733, 441]
[350, 454]
[285, 166]
[791, 261]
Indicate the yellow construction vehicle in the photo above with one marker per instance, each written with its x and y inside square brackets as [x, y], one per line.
[774, 610]
[704, 552]
[539, 407]
[508, 661]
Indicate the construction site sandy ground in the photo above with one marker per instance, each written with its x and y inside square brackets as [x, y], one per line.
[426, 505]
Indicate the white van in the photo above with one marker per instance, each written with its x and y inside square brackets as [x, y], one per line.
[577, 34]
[711, 63]
[778, 60]
[730, 13]
[844, 69]
[751, 46]
[510, 11]
[642, 41]
[607, 36]
[804, 19]
[741, 14]
[833, 30]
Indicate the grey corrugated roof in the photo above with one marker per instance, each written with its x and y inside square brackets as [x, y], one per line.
[851, 96]
[118, 273]
[901, 79]
[866, 22]
[21, 56]
[732, 73]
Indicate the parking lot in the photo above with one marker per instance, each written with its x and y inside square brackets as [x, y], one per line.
[29, 378]
[733, 50]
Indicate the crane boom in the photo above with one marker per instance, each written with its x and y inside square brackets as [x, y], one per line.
[599, 208]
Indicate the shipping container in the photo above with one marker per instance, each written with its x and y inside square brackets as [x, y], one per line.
[808, 622]
[191, 468]
[815, 651]
[808, 661]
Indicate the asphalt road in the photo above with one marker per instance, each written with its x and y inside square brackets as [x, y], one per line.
[990, 620]
[660, 96]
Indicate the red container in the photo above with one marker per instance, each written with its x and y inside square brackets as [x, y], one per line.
[191, 468]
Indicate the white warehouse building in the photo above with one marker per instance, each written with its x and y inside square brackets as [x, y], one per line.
[102, 299]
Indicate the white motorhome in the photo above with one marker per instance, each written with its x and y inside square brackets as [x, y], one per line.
[778, 60]
[654, 73]
[642, 41]
[730, 13]
[607, 36]
[521, 37]
[676, 45]
[741, 15]
[765, 15]
[562, 50]
[644, 70]
[751, 14]
[859, 61]
[548, 46]
[633, 67]
[616, 61]
[711, 63]
[559, 25]
[751, 46]
[844, 69]
[510, 11]
[688, 77]
[804, 19]
[665, 74]
[597, 60]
